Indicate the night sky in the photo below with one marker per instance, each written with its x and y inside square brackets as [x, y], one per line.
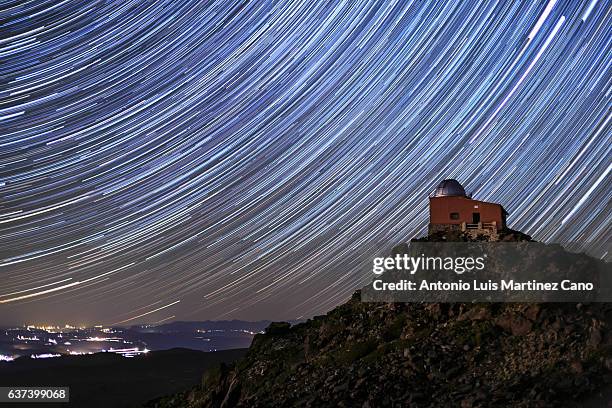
[214, 160]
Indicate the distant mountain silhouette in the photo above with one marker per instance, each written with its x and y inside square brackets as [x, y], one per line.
[184, 326]
[199, 335]
[109, 380]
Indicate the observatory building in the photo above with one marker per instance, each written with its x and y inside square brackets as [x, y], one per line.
[451, 209]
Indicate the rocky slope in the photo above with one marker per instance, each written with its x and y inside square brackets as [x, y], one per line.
[421, 355]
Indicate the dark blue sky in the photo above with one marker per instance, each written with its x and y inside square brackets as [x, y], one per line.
[191, 160]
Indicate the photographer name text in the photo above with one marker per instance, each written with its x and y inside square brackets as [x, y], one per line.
[502, 285]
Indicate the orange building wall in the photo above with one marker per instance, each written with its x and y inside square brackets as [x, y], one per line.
[441, 207]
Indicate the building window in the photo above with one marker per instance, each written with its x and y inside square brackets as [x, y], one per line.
[454, 216]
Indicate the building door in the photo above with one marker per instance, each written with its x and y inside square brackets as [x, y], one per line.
[475, 218]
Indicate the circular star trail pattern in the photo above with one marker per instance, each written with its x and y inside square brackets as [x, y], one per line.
[190, 160]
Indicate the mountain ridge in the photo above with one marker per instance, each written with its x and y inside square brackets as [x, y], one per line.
[421, 355]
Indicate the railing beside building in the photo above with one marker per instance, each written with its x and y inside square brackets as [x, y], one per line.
[479, 226]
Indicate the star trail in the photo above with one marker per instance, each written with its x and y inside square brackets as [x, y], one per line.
[212, 160]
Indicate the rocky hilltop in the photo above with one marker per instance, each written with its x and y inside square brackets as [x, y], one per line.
[422, 355]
